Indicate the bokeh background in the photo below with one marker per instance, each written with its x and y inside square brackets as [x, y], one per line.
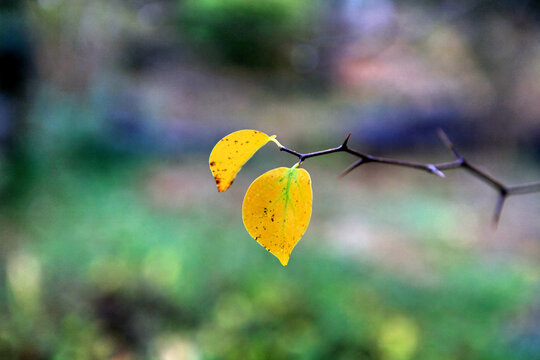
[114, 243]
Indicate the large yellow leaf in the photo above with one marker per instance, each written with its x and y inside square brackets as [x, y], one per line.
[277, 209]
[232, 152]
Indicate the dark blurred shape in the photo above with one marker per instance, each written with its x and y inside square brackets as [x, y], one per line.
[253, 34]
[15, 54]
[117, 318]
[409, 128]
[6, 118]
[15, 61]
[17, 69]
[351, 350]
[133, 320]
[130, 134]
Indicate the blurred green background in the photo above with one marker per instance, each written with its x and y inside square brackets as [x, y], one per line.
[114, 243]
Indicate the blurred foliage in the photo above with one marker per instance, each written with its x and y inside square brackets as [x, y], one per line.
[106, 272]
[244, 32]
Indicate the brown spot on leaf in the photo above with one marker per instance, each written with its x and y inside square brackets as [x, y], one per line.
[213, 163]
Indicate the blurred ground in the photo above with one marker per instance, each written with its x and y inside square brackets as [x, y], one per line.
[116, 245]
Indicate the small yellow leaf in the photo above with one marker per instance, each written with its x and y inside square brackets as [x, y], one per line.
[277, 209]
[232, 152]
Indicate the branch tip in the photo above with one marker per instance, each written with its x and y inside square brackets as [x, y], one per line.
[351, 168]
[444, 138]
[498, 209]
[346, 140]
[433, 169]
[448, 143]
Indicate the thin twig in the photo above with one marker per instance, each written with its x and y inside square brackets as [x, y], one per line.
[436, 169]
[366, 158]
[498, 209]
[503, 190]
[351, 167]
[524, 189]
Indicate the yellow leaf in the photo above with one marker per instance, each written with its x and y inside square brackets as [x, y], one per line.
[232, 152]
[277, 209]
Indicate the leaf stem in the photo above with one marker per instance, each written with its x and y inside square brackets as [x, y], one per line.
[273, 138]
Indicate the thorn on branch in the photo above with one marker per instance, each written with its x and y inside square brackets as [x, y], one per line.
[344, 145]
[444, 138]
[433, 169]
[449, 144]
[498, 209]
[351, 168]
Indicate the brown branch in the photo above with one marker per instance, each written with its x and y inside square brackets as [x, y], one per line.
[364, 158]
[504, 191]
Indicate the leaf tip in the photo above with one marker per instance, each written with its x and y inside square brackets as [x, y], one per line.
[284, 260]
[221, 186]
